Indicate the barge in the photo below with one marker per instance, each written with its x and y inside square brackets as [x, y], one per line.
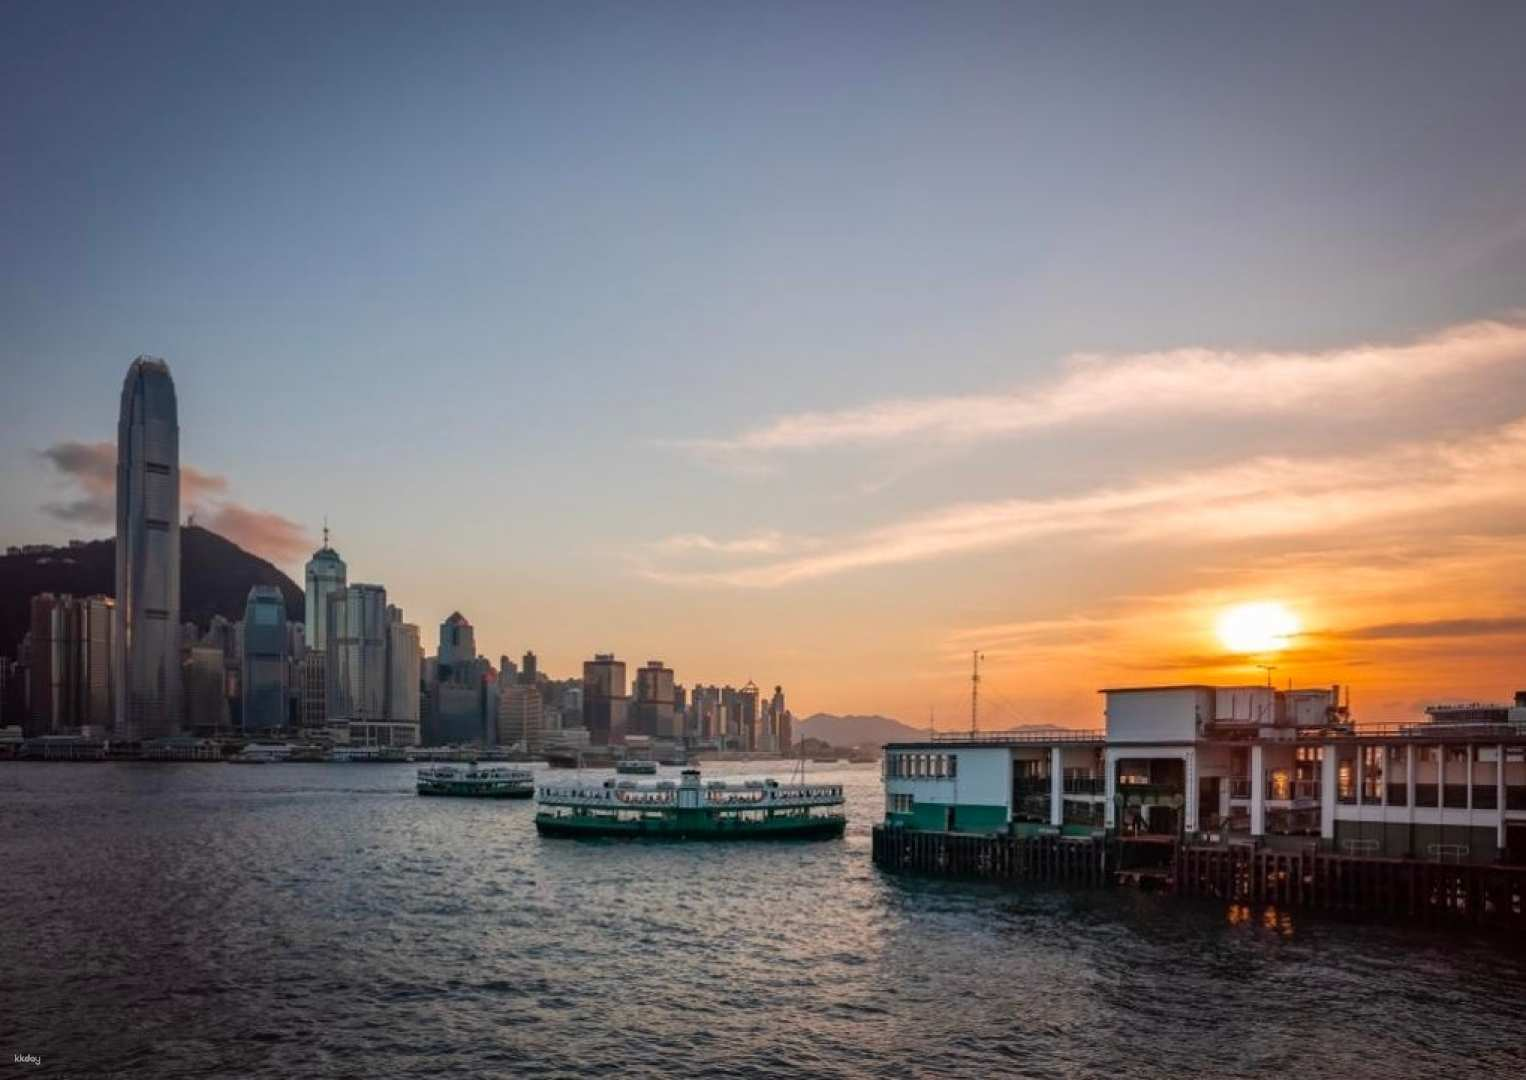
[469, 781]
[690, 810]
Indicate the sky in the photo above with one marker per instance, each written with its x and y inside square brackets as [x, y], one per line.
[817, 344]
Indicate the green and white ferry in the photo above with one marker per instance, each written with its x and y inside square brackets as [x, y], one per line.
[493, 782]
[690, 810]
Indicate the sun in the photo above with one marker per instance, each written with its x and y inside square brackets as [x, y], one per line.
[1261, 627]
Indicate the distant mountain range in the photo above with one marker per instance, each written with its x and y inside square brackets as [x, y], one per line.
[215, 576]
[856, 730]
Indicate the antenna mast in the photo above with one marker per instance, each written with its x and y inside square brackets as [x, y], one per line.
[975, 693]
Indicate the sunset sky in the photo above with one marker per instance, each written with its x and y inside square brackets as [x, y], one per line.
[817, 344]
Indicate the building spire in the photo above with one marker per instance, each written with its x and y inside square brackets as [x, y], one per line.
[325, 530]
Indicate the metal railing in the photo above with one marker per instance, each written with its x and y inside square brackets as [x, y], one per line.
[1085, 785]
[1022, 735]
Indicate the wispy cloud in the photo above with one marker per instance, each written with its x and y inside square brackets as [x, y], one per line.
[92, 469]
[1261, 497]
[1174, 383]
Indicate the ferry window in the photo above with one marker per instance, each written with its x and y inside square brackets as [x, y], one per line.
[1282, 784]
[1457, 753]
[953, 766]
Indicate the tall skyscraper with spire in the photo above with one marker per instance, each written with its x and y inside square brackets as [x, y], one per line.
[326, 573]
[147, 616]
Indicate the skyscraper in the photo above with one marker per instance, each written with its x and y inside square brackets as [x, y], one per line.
[402, 668]
[654, 701]
[605, 701]
[265, 660]
[458, 641]
[357, 653]
[71, 667]
[326, 573]
[147, 626]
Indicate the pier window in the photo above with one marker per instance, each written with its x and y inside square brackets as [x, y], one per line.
[1453, 793]
[1372, 775]
[1397, 771]
[1345, 775]
[1427, 776]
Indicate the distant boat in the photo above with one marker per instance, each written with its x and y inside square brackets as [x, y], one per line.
[636, 767]
[469, 781]
[261, 754]
[751, 810]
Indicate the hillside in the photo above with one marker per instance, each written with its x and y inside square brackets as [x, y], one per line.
[215, 576]
[856, 730]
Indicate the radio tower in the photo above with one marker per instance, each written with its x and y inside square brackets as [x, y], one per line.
[975, 694]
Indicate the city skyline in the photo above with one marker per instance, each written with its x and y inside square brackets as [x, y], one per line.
[839, 410]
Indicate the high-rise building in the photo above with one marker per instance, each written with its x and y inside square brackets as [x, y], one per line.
[654, 701]
[313, 708]
[71, 664]
[146, 631]
[529, 669]
[402, 668]
[326, 574]
[521, 718]
[264, 671]
[458, 641]
[747, 716]
[206, 690]
[357, 653]
[605, 701]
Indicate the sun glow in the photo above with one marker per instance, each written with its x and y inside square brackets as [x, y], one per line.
[1257, 628]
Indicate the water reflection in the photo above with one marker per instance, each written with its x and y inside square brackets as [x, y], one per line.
[316, 919]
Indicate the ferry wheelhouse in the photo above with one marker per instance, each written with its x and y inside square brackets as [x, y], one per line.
[469, 781]
[689, 809]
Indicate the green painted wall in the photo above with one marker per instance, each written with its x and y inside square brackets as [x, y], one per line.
[968, 817]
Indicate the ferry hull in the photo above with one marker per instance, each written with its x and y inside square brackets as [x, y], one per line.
[692, 827]
[476, 793]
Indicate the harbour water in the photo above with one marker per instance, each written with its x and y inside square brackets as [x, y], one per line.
[322, 920]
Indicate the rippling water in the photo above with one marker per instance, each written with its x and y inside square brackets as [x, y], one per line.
[294, 920]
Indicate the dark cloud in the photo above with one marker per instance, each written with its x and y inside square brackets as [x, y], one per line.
[1439, 628]
[92, 467]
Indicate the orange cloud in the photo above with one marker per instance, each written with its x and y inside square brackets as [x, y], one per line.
[92, 467]
[272, 536]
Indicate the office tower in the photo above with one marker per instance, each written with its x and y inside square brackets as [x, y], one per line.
[326, 574]
[147, 623]
[605, 702]
[71, 664]
[458, 641]
[747, 716]
[357, 653]
[529, 670]
[521, 718]
[312, 678]
[206, 690]
[654, 701]
[264, 674]
[508, 671]
[403, 660]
